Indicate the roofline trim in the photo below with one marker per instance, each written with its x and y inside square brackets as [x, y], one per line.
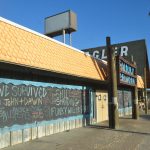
[53, 71]
[39, 34]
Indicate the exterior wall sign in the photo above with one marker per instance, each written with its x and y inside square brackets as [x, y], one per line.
[126, 72]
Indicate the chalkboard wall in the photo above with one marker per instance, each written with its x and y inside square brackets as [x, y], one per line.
[27, 103]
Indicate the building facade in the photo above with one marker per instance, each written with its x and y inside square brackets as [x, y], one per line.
[43, 90]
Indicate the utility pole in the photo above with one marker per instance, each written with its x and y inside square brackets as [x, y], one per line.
[135, 108]
[112, 86]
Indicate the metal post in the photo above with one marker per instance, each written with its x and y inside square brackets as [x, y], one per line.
[145, 92]
[70, 39]
[64, 39]
[112, 86]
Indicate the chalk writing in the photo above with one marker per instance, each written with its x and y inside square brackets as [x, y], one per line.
[20, 104]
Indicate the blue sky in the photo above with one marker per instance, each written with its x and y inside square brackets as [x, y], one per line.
[122, 20]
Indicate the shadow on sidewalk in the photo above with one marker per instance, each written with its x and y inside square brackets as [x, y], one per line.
[146, 117]
[116, 130]
[126, 117]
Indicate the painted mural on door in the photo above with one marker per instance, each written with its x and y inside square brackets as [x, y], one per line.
[125, 102]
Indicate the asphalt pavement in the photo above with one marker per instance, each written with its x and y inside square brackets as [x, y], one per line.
[131, 135]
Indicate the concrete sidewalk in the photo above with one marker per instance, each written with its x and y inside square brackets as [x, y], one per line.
[131, 135]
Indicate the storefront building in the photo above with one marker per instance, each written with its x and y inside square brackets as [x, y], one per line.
[48, 87]
[127, 80]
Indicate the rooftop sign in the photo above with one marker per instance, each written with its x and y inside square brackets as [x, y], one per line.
[54, 25]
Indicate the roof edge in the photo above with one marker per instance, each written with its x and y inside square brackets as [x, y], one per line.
[39, 34]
